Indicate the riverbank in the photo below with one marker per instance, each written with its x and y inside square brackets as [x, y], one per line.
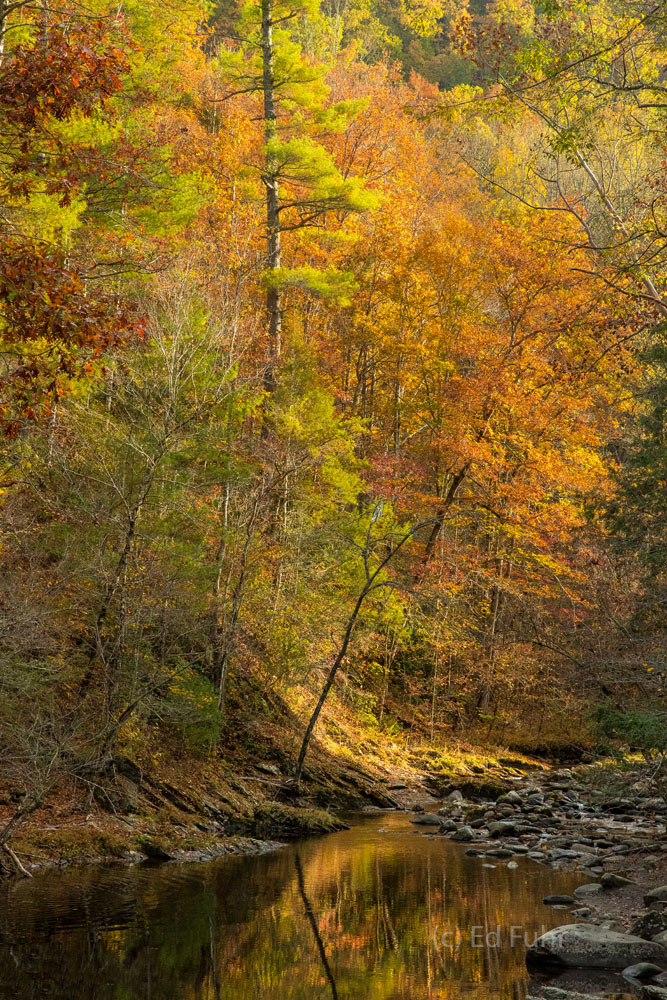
[200, 808]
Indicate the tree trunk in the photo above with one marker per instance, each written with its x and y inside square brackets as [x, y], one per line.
[369, 586]
[331, 676]
[99, 648]
[270, 178]
[221, 663]
[448, 500]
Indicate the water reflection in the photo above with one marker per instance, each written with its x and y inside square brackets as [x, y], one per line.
[380, 911]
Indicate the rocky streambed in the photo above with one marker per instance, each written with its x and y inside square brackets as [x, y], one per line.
[617, 918]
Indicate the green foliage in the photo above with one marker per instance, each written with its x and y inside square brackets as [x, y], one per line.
[644, 730]
[637, 514]
[192, 707]
[329, 284]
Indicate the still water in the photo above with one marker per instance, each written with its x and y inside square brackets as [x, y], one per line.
[379, 911]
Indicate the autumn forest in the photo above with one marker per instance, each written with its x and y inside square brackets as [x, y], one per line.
[333, 386]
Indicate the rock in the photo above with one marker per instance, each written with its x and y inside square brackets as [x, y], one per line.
[610, 880]
[128, 794]
[581, 912]
[592, 947]
[502, 828]
[661, 938]
[454, 796]
[510, 798]
[654, 993]
[154, 850]
[588, 860]
[642, 970]
[618, 805]
[269, 768]
[427, 819]
[447, 826]
[613, 924]
[557, 900]
[657, 895]
[464, 833]
[589, 889]
[649, 924]
[553, 993]
[499, 852]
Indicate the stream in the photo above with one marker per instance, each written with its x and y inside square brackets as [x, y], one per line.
[382, 910]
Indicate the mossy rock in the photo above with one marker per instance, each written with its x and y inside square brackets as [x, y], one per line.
[275, 819]
[476, 788]
[154, 848]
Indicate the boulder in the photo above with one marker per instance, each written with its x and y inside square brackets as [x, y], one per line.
[427, 819]
[612, 923]
[590, 889]
[554, 993]
[557, 900]
[588, 861]
[657, 895]
[153, 849]
[610, 880]
[510, 798]
[642, 970]
[447, 825]
[464, 834]
[592, 947]
[502, 828]
[649, 924]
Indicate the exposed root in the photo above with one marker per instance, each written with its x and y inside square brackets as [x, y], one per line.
[17, 866]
